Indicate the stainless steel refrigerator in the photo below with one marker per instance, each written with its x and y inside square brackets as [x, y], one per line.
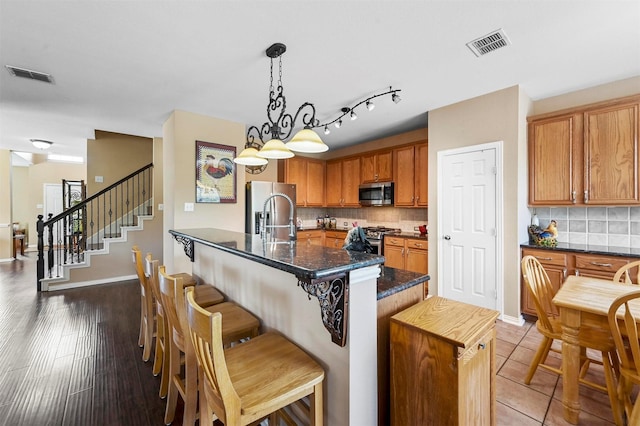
[280, 216]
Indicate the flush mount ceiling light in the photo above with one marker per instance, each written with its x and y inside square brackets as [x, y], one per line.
[267, 141]
[41, 144]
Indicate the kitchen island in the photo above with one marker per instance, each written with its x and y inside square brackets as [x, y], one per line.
[322, 299]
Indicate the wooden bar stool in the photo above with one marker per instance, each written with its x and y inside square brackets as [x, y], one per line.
[252, 380]
[145, 337]
[241, 325]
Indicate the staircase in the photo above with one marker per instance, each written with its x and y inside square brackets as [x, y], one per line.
[91, 227]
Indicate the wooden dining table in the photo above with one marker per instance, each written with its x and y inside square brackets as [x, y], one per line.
[582, 301]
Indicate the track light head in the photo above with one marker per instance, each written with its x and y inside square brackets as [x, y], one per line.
[395, 97]
[338, 124]
[370, 105]
[354, 116]
[326, 130]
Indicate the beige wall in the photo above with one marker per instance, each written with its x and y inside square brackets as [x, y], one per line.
[616, 89]
[492, 117]
[20, 197]
[114, 156]
[180, 132]
[6, 234]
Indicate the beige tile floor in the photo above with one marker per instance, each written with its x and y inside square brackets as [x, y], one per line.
[539, 403]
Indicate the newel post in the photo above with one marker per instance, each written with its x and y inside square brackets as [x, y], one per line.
[40, 270]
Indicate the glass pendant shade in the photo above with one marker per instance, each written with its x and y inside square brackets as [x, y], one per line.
[306, 140]
[249, 157]
[275, 149]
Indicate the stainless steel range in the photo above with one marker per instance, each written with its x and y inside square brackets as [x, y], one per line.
[375, 235]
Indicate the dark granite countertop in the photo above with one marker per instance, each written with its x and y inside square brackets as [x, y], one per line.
[590, 248]
[410, 235]
[303, 260]
[392, 281]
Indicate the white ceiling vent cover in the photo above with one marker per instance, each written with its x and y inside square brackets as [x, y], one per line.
[487, 44]
[30, 74]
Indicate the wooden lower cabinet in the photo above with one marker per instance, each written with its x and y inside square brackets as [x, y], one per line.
[410, 254]
[443, 366]
[334, 239]
[388, 307]
[312, 237]
[560, 264]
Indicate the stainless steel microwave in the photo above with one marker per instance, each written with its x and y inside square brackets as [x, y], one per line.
[376, 194]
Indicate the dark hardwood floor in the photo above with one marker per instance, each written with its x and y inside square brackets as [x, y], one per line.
[71, 357]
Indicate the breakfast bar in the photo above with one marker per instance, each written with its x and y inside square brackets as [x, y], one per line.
[322, 299]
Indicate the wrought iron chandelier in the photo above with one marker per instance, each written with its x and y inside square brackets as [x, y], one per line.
[280, 124]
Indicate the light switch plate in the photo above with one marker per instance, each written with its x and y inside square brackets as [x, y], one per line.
[99, 179]
[160, 207]
[188, 207]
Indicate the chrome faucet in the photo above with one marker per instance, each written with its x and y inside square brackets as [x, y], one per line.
[291, 225]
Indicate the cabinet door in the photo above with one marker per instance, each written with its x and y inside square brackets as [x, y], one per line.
[403, 159]
[350, 182]
[394, 256]
[416, 260]
[421, 156]
[554, 166]
[368, 168]
[315, 183]
[612, 155]
[334, 183]
[296, 173]
[384, 166]
[556, 276]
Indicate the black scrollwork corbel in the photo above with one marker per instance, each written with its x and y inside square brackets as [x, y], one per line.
[333, 296]
[187, 243]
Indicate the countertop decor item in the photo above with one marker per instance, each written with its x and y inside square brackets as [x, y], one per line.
[544, 237]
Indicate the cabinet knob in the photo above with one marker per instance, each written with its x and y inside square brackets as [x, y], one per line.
[573, 197]
[586, 196]
[482, 346]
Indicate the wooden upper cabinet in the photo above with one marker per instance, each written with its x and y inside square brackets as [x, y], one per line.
[342, 181]
[308, 176]
[410, 166]
[377, 167]
[612, 155]
[553, 145]
[587, 155]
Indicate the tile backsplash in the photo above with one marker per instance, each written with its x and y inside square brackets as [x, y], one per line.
[405, 219]
[605, 226]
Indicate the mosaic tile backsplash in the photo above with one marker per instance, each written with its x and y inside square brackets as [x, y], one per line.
[604, 226]
[405, 219]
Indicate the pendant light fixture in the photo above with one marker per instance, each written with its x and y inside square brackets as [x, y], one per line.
[267, 141]
[280, 125]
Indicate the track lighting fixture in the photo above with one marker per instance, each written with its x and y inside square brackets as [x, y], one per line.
[326, 130]
[368, 103]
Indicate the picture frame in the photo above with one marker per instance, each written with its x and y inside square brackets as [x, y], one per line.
[216, 173]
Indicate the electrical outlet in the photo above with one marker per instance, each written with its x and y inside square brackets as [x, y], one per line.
[345, 223]
[415, 228]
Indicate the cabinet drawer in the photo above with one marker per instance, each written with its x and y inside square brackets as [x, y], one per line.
[547, 257]
[417, 244]
[310, 234]
[600, 263]
[335, 234]
[394, 241]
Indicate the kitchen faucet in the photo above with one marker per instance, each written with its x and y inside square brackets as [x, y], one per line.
[291, 226]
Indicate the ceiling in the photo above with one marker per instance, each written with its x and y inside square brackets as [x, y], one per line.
[124, 66]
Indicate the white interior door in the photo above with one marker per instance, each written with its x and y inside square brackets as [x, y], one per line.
[468, 225]
[53, 205]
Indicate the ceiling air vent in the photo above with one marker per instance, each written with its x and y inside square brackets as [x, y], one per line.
[487, 44]
[30, 74]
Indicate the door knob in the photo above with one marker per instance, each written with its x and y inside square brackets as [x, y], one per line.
[447, 237]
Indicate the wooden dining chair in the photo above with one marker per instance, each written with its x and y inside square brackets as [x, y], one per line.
[625, 273]
[549, 326]
[625, 328]
[254, 379]
[145, 338]
[239, 325]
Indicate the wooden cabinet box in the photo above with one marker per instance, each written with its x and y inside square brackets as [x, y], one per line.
[376, 167]
[586, 155]
[443, 364]
[343, 177]
[555, 264]
[334, 239]
[410, 254]
[410, 171]
[309, 176]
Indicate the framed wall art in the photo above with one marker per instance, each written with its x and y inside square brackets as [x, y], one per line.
[215, 173]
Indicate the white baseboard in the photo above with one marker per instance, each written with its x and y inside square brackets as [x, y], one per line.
[519, 320]
[67, 285]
